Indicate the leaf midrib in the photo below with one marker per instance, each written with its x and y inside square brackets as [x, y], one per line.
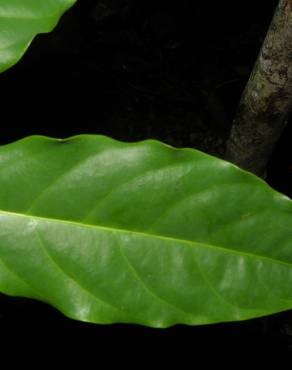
[147, 235]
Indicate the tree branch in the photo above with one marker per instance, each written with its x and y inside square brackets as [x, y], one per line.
[267, 99]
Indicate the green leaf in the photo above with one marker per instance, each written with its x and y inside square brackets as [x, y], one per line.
[142, 233]
[21, 21]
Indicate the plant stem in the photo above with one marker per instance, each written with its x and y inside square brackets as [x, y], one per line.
[267, 99]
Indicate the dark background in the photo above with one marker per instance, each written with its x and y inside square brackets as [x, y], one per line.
[137, 69]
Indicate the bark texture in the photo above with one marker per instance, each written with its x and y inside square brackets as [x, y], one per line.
[267, 99]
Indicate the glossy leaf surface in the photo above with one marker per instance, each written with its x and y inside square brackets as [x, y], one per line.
[141, 233]
[21, 21]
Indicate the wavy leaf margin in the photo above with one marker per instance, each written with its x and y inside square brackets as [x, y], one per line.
[21, 21]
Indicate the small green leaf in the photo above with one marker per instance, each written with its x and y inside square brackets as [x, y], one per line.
[21, 21]
[141, 233]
